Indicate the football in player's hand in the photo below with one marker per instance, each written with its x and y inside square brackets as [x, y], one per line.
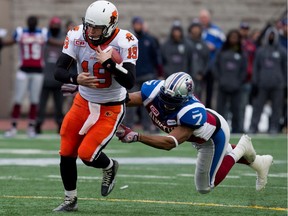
[116, 57]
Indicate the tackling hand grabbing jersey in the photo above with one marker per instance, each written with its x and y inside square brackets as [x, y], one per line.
[175, 110]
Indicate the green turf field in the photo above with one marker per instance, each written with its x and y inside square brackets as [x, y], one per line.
[149, 181]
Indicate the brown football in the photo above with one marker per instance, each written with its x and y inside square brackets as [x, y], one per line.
[116, 57]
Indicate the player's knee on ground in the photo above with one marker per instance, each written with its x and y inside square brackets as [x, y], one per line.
[203, 190]
[202, 182]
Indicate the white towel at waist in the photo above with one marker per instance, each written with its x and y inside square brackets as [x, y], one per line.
[92, 118]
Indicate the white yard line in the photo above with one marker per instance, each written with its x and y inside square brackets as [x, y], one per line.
[159, 202]
[48, 152]
[134, 161]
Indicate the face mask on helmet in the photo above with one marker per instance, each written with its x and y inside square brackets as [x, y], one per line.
[99, 39]
[100, 15]
[170, 103]
[176, 91]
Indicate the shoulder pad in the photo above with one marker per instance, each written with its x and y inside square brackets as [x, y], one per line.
[126, 39]
[76, 32]
[150, 89]
[193, 115]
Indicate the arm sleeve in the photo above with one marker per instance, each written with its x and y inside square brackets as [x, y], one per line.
[127, 80]
[61, 72]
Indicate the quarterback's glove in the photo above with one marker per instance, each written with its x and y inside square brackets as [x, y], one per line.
[126, 135]
[68, 89]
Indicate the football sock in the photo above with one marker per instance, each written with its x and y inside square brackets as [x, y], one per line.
[242, 160]
[16, 111]
[237, 152]
[226, 165]
[68, 170]
[72, 193]
[101, 162]
[110, 165]
[33, 112]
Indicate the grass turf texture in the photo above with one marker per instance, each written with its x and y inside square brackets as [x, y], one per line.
[153, 189]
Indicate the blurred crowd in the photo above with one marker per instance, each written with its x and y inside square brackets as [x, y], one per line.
[230, 71]
[244, 67]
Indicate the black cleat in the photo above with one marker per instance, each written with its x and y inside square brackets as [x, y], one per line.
[108, 180]
[69, 204]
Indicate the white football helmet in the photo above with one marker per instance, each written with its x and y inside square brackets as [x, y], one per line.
[177, 89]
[101, 14]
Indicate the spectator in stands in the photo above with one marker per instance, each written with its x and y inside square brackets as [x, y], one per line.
[148, 67]
[269, 77]
[50, 85]
[176, 51]
[29, 77]
[200, 57]
[249, 49]
[254, 35]
[230, 71]
[214, 38]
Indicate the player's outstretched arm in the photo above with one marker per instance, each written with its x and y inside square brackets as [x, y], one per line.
[135, 99]
[176, 137]
[179, 135]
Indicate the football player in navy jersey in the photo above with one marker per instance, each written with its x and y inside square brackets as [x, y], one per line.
[175, 110]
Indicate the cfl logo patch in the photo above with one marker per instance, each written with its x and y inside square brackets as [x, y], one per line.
[80, 43]
[154, 110]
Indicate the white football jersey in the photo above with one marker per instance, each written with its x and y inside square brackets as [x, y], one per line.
[109, 89]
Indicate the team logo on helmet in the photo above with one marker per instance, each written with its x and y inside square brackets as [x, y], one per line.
[189, 85]
[113, 17]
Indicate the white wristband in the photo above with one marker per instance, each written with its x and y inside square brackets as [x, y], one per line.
[175, 140]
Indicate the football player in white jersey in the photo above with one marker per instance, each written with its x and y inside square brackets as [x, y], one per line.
[175, 110]
[99, 107]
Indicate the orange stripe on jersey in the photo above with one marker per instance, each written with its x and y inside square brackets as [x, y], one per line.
[117, 30]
